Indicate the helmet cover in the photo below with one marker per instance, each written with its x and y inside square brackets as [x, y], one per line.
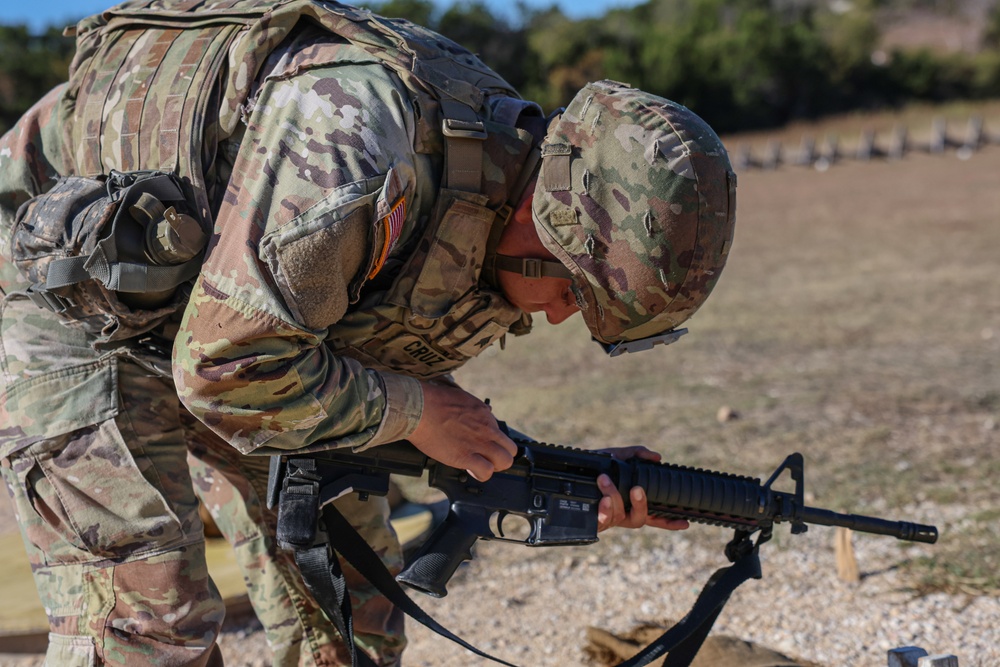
[636, 196]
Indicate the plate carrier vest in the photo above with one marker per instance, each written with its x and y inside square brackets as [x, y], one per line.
[130, 118]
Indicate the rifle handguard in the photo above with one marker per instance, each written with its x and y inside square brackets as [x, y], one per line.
[742, 503]
[721, 499]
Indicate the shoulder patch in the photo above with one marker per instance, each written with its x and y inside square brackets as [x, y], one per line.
[391, 226]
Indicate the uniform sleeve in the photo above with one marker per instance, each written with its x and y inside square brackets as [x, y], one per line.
[293, 243]
[30, 162]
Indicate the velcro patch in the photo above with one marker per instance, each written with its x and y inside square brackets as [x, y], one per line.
[564, 217]
[393, 225]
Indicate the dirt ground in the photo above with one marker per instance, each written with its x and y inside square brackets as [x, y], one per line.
[858, 322]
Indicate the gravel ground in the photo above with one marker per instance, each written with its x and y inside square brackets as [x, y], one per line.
[532, 606]
[539, 608]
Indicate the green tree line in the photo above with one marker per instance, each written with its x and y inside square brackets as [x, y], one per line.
[741, 64]
[30, 65]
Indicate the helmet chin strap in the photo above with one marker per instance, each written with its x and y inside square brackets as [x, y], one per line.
[531, 268]
[523, 266]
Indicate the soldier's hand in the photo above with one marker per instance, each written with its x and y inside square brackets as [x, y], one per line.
[611, 510]
[460, 431]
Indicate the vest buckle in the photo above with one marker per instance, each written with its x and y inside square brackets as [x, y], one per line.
[463, 129]
[51, 301]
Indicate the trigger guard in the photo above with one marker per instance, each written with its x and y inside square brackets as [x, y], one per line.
[501, 515]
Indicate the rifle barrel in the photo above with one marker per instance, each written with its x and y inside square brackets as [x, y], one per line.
[903, 530]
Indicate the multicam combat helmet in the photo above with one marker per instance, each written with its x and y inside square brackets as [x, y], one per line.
[637, 197]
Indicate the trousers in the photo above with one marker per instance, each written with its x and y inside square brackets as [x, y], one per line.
[105, 469]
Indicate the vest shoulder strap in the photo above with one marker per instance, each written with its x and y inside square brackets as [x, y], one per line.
[153, 79]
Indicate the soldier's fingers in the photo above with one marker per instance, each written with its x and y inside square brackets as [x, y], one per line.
[507, 445]
[665, 523]
[637, 512]
[635, 451]
[604, 514]
[612, 505]
[479, 467]
[640, 508]
[646, 454]
[497, 452]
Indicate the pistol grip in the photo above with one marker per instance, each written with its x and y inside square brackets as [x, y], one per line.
[447, 548]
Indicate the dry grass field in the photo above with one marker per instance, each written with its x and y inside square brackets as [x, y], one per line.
[857, 322]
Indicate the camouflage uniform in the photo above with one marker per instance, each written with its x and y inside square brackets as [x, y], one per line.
[103, 466]
[102, 460]
[357, 185]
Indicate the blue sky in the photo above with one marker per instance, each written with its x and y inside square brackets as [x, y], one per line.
[39, 14]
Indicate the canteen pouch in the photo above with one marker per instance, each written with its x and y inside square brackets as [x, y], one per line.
[114, 254]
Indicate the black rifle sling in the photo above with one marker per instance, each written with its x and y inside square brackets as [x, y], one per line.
[363, 558]
[324, 578]
[682, 642]
[322, 574]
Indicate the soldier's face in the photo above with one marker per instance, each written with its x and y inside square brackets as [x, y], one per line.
[552, 296]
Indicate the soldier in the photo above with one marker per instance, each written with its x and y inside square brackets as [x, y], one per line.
[381, 207]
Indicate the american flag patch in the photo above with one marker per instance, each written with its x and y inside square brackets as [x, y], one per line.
[393, 226]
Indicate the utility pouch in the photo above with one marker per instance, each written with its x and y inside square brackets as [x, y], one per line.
[110, 254]
[293, 487]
